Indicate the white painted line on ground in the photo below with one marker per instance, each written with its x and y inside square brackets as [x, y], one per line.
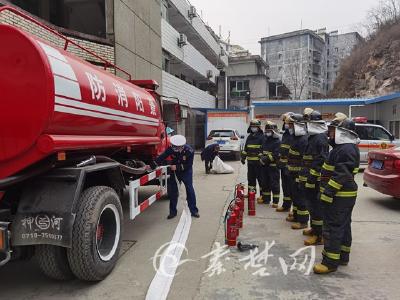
[169, 261]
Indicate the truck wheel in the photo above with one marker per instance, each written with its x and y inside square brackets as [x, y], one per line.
[53, 262]
[96, 235]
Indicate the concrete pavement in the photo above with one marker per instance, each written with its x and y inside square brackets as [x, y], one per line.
[372, 273]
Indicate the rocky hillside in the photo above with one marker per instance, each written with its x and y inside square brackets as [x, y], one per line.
[373, 69]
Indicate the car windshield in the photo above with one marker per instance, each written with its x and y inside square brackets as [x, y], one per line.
[222, 133]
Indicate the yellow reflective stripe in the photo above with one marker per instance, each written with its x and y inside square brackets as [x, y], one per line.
[302, 178]
[308, 157]
[326, 198]
[310, 185]
[331, 255]
[276, 196]
[272, 165]
[356, 170]
[294, 152]
[345, 249]
[287, 199]
[253, 158]
[322, 189]
[285, 146]
[314, 173]
[328, 167]
[284, 160]
[294, 208]
[254, 146]
[244, 152]
[266, 193]
[335, 185]
[346, 194]
[302, 212]
[294, 169]
[317, 222]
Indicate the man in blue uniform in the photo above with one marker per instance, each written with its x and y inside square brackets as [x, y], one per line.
[181, 170]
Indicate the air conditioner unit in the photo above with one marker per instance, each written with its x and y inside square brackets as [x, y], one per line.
[210, 74]
[182, 41]
[192, 13]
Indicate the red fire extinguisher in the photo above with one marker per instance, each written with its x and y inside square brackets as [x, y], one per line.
[240, 191]
[252, 203]
[231, 230]
[240, 204]
[236, 210]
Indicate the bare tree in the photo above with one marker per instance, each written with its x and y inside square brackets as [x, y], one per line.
[387, 12]
[296, 75]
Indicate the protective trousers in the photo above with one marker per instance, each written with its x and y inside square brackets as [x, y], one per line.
[337, 230]
[271, 184]
[254, 175]
[313, 204]
[286, 187]
[300, 212]
[173, 191]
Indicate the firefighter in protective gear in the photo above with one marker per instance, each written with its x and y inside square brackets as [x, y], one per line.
[298, 130]
[339, 193]
[283, 164]
[252, 153]
[270, 173]
[314, 157]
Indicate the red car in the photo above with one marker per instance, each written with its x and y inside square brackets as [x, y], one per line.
[383, 172]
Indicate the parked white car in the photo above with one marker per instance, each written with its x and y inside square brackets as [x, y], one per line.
[373, 137]
[229, 140]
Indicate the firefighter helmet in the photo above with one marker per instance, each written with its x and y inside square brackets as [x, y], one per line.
[307, 112]
[313, 116]
[338, 120]
[295, 118]
[285, 115]
[255, 123]
[271, 126]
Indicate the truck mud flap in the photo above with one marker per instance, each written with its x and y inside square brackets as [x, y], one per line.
[45, 213]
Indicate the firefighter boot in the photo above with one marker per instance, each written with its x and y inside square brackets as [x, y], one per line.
[313, 240]
[275, 205]
[297, 226]
[308, 232]
[290, 218]
[260, 200]
[282, 209]
[323, 269]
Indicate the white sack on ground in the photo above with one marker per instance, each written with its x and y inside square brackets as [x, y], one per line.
[219, 167]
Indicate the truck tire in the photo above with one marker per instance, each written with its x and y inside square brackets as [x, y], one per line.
[53, 262]
[96, 235]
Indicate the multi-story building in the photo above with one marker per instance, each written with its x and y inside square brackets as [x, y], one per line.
[192, 60]
[244, 80]
[339, 47]
[305, 61]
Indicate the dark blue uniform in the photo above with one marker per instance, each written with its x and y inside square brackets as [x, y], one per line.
[208, 155]
[184, 173]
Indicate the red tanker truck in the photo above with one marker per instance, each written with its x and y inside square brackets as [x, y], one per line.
[73, 138]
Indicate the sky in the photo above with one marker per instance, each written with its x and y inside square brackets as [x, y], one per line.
[250, 20]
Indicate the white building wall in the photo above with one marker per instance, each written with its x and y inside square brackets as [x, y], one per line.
[188, 94]
[187, 54]
[183, 7]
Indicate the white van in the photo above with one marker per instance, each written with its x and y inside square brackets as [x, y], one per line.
[373, 137]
